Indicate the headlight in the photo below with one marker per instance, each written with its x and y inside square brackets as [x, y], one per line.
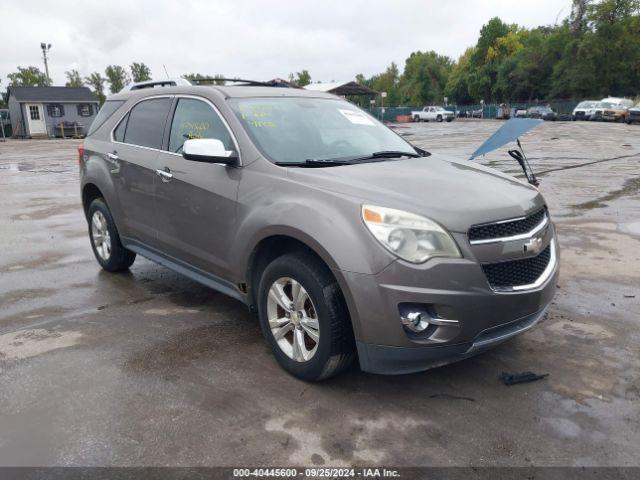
[409, 236]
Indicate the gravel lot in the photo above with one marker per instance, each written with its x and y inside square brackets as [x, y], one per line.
[150, 368]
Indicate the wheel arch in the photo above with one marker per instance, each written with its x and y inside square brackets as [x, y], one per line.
[90, 192]
[274, 245]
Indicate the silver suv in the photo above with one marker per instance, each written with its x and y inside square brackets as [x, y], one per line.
[344, 238]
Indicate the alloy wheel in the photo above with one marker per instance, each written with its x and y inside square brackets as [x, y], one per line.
[293, 319]
[100, 235]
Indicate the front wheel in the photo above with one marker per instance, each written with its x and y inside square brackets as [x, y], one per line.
[105, 241]
[304, 317]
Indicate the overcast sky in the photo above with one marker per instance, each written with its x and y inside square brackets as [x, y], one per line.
[333, 39]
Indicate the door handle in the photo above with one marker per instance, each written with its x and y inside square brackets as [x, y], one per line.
[113, 156]
[165, 174]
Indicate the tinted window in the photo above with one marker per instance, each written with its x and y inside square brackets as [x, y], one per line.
[146, 123]
[105, 112]
[118, 133]
[196, 119]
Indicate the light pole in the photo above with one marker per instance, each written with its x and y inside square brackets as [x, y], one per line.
[45, 48]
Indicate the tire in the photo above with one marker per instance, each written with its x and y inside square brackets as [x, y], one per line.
[439, 118]
[449, 120]
[115, 258]
[416, 119]
[323, 304]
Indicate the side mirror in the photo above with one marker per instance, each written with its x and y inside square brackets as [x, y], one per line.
[208, 150]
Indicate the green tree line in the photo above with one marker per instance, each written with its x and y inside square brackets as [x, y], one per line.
[593, 53]
[115, 77]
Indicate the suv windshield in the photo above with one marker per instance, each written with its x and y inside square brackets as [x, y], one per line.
[295, 129]
[587, 104]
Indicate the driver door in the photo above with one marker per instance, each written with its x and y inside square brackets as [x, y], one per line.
[195, 201]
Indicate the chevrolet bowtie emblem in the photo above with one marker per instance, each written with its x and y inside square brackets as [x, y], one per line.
[533, 245]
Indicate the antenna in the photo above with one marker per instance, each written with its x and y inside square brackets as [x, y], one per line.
[165, 71]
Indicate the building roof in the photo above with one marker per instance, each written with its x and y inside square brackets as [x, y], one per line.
[341, 88]
[52, 94]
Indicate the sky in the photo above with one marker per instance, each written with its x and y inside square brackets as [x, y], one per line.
[260, 40]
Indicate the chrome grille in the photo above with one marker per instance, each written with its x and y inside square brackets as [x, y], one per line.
[507, 228]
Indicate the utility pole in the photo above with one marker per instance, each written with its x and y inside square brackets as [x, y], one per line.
[45, 48]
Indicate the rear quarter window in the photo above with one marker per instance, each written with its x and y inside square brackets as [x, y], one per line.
[146, 123]
[108, 108]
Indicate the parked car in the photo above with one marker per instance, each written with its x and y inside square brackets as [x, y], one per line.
[545, 113]
[584, 110]
[599, 110]
[437, 114]
[634, 114]
[521, 113]
[340, 234]
[477, 113]
[503, 112]
[615, 109]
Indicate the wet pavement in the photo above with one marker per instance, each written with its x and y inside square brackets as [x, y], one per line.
[150, 368]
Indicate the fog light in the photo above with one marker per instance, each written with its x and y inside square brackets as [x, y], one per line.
[415, 321]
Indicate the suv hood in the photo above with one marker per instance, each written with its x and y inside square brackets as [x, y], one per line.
[455, 194]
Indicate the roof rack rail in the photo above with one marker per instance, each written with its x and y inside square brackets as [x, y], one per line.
[169, 82]
[216, 80]
[182, 82]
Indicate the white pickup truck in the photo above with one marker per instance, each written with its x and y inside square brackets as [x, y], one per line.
[437, 114]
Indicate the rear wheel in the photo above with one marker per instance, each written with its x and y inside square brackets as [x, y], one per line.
[416, 118]
[439, 118]
[105, 241]
[304, 318]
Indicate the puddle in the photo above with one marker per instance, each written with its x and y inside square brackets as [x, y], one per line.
[631, 187]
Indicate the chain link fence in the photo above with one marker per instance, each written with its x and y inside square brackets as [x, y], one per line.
[390, 114]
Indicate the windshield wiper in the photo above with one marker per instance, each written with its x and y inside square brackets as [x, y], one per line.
[317, 163]
[331, 162]
[390, 154]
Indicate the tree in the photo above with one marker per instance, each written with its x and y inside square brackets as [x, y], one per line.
[424, 78]
[201, 79]
[578, 16]
[96, 83]
[73, 79]
[140, 72]
[117, 78]
[28, 77]
[303, 78]
[3, 99]
[457, 87]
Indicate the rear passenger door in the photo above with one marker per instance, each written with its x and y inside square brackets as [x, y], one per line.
[195, 201]
[133, 163]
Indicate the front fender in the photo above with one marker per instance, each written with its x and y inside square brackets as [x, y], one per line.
[330, 226]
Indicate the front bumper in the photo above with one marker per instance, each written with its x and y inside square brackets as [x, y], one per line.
[612, 117]
[389, 360]
[453, 289]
